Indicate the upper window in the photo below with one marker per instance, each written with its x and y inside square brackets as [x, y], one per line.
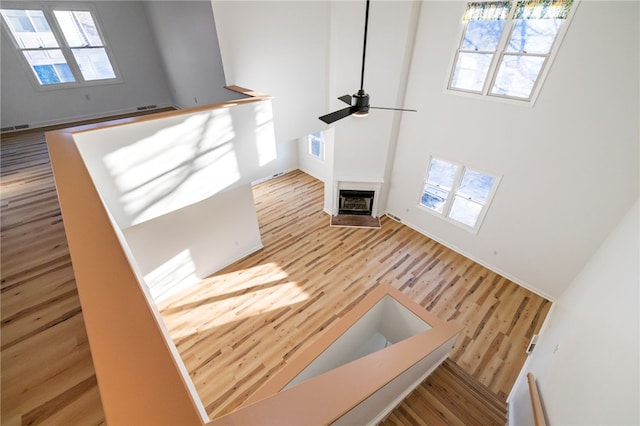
[316, 145]
[60, 46]
[459, 194]
[506, 46]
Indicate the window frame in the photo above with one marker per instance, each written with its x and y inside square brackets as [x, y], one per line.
[320, 137]
[501, 51]
[48, 10]
[453, 193]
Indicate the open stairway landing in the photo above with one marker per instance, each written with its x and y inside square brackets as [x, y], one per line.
[449, 396]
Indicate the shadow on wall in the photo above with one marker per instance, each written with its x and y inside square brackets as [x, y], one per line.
[179, 188]
[175, 167]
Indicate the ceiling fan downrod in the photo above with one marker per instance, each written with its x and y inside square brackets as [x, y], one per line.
[364, 47]
[358, 102]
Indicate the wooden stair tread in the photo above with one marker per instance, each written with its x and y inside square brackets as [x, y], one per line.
[475, 386]
[450, 396]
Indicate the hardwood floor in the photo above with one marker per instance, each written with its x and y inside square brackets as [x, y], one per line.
[449, 396]
[239, 326]
[47, 371]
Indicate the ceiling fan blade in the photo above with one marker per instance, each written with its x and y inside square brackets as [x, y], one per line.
[395, 109]
[337, 115]
[346, 99]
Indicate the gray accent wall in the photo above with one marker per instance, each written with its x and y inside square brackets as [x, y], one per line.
[126, 31]
[185, 32]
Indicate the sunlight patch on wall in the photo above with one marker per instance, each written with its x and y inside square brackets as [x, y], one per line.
[265, 144]
[173, 276]
[177, 166]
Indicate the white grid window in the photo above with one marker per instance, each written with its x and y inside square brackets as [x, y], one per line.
[61, 46]
[507, 46]
[457, 193]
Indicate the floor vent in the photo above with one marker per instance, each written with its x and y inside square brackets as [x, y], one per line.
[396, 218]
[532, 345]
[18, 127]
[145, 107]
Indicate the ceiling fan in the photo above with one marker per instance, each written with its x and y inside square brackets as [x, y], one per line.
[360, 107]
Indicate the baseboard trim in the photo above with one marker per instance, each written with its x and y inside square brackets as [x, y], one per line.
[80, 121]
[475, 259]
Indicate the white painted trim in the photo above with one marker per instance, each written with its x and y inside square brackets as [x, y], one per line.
[493, 268]
[275, 175]
[106, 115]
[353, 179]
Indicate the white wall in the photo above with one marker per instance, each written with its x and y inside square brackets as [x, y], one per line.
[182, 247]
[280, 48]
[127, 33]
[319, 168]
[150, 168]
[179, 188]
[587, 361]
[561, 160]
[569, 163]
[185, 32]
[362, 144]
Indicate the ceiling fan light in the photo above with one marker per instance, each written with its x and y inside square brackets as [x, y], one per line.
[361, 113]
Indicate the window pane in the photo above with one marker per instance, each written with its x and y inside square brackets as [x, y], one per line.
[46, 74]
[465, 211]
[39, 21]
[487, 10]
[517, 75]
[94, 63]
[482, 35]
[442, 174]
[64, 72]
[315, 148]
[543, 9]
[78, 28]
[30, 28]
[18, 21]
[434, 198]
[476, 186]
[471, 71]
[534, 36]
[49, 66]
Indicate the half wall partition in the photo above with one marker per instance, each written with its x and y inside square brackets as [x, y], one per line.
[142, 379]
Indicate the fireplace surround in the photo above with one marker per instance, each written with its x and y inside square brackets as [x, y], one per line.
[356, 196]
[354, 201]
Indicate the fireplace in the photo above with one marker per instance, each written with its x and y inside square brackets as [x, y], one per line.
[355, 202]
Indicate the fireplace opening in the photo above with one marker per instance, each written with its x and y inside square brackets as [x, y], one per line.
[355, 202]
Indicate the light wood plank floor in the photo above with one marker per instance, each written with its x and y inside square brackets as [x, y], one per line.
[239, 326]
[47, 371]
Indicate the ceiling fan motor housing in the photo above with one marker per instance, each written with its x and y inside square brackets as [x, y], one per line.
[362, 102]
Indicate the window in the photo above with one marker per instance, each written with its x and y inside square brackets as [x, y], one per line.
[459, 194]
[60, 46]
[506, 46]
[316, 145]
